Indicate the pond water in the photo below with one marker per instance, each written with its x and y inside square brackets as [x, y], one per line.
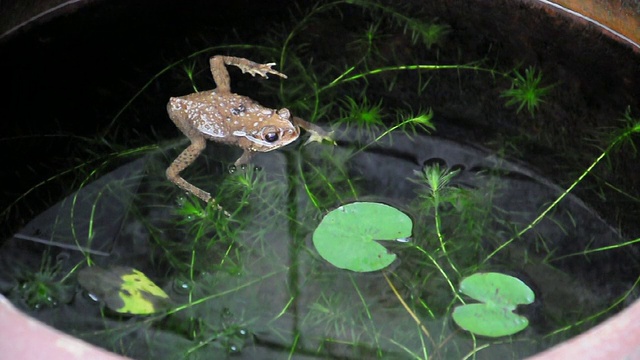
[405, 92]
[256, 285]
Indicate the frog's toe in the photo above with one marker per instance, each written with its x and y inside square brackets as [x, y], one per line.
[266, 69]
[319, 137]
[263, 70]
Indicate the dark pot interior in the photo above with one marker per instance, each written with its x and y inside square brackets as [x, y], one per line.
[88, 86]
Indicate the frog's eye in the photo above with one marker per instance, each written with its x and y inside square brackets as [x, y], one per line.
[271, 137]
[284, 113]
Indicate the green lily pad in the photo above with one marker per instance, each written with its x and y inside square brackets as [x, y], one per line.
[347, 236]
[500, 289]
[124, 290]
[499, 294]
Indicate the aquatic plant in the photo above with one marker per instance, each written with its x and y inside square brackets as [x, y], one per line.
[430, 33]
[499, 294]
[347, 236]
[526, 90]
[260, 262]
[336, 315]
[363, 118]
[45, 288]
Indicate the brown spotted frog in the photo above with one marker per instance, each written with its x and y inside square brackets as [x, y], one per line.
[222, 116]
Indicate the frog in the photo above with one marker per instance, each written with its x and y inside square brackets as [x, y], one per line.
[221, 116]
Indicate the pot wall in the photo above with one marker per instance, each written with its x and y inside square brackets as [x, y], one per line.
[616, 338]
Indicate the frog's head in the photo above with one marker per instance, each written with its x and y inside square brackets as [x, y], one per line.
[271, 132]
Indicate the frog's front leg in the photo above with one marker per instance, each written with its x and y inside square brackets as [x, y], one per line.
[244, 159]
[186, 158]
[221, 75]
[318, 134]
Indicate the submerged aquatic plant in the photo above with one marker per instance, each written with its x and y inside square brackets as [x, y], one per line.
[412, 123]
[438, 189]
[367, 42]
[622, 136]
[336, 314]
[364, 117]
[430, 33]
[267, 234]
[189, 69]
[43, 288]
[526, 90]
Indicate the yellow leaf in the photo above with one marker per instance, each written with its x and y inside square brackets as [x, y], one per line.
[124, 290]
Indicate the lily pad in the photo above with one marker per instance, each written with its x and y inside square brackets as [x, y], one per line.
[124, 290]
[500, 289]
[499, 294]
[347, 236]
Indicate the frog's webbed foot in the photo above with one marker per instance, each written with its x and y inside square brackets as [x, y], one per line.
[317, 134]
[246, 65]
[221, 76]
[261, 69]
[320, 137]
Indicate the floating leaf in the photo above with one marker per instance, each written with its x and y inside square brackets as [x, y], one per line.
[347, 236]
[499, 294]
[501, 289]
[124, 290]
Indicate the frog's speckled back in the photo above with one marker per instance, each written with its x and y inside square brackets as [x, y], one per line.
[228, 117]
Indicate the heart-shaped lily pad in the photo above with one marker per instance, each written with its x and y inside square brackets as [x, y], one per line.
[499, 295]
[347, 236]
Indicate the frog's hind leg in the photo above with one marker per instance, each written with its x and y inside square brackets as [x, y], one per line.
[186, 158]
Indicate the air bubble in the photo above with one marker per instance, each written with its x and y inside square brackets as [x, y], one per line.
[93, 297]
[181, 286]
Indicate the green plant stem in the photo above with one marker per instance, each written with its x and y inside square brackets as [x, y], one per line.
[408, 309]
[425, 356]
[444, 275]
[385, 133]
[108, 157]
[375, 334]
[294, 346]
[544, 213]
[342, 79]
[105, 162]
[438, 223]
[600, 313]
[224, 292]
[475, 349]
[329, 185]
[299, 26]
[604, 248]
[90, 230]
